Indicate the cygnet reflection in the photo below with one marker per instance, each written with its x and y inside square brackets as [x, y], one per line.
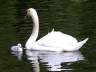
[53, 60]
[18, 54]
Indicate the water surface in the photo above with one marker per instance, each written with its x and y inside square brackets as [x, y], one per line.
[73, 17]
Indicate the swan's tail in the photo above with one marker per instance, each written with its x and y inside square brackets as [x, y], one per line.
[80, 44]
[83, 42]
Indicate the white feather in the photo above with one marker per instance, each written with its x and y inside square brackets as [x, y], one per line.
[18, 47]
[53, 41]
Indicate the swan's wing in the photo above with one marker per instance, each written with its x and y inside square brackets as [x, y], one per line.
[56, 38]
[45, 38]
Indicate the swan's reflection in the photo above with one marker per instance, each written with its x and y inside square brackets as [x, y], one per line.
[18, 54]
[52, 60]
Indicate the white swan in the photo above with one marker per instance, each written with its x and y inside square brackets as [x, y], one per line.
[53, 41]
[18, 47]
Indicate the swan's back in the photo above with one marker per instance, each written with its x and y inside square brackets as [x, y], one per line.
[58, 39]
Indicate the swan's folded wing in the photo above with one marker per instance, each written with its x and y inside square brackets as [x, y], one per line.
[45, 38]
[58, 39]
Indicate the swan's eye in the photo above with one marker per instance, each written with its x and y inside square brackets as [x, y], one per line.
[28, 12]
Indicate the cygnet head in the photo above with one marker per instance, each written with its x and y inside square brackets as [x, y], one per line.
[19, 45]
[31, 11]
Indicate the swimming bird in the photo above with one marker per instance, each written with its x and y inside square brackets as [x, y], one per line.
[53, 41]
[18, 47]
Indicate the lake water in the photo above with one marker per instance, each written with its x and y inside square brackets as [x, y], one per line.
[73, 17]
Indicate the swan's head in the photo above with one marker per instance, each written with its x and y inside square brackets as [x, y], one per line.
[31, 11]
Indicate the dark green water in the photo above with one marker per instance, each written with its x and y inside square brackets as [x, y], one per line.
[73, 17]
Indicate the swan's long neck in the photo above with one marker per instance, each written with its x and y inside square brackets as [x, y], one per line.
[35, 30]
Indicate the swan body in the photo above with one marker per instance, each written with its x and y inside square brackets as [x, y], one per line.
[53, 41]
[18, 47]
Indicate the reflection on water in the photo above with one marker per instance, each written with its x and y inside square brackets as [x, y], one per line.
[18, 54]
[52, 60]
[73, 17]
